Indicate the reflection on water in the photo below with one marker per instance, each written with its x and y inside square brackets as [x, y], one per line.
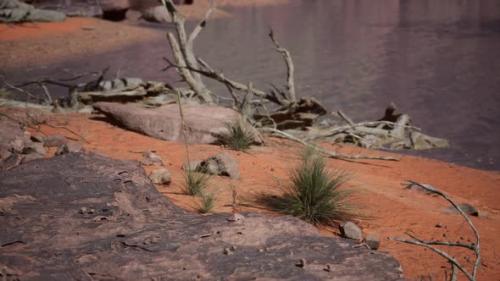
[439, 61]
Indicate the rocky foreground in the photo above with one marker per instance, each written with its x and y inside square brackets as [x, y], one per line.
[83, 216]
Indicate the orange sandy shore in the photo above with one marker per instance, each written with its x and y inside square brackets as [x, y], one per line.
[44, 43]
[392, 210]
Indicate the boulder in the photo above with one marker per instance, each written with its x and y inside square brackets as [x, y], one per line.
[351, 231]
[114, 5]
[160, 176]
[204, 123]
[150, 158]
[69, 148]
[114, 10]
[221, 164]
[87, 217]
[373, 241]
[156, 14]
[16, 145]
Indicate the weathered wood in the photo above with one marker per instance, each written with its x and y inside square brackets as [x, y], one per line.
[289, 66]
[182, 46]
[455, 264]
[332, 154]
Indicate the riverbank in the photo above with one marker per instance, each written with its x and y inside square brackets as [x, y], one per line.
[378, 188]
[379, 193]
[49, 43]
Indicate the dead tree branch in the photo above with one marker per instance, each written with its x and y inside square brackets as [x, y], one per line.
[182, 47]
[289, 65]
[455, 264]
[331, 154]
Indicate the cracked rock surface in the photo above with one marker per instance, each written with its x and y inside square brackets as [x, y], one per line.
[81, 216]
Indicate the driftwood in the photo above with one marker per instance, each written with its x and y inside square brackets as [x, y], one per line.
[399, 134]
[280, 109]
[289, 65]
[454, 263]
[277, 110]
[182, 47]
[328, 153]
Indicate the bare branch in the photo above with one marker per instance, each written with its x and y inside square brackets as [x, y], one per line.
[200, 25]
[439, 252]
[475, 247]
[347, 119]
[289, 64]
[183, 50]
[211, 73]
[331, 154]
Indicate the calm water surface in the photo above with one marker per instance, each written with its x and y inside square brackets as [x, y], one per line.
[438, 61]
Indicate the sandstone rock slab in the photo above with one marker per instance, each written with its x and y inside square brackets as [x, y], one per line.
[86, 217]
[204, 123]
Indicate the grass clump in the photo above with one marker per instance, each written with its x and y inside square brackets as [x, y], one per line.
[195, 182]
[313, 194]
[239, 136]
[207, 202]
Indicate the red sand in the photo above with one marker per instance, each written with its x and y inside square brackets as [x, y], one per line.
[377, 185]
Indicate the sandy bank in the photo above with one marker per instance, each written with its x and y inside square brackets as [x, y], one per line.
[28, 44]
[379, 193]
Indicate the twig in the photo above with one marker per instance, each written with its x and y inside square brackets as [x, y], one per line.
[69, 130]
[21, 90]
[475, 247]
[347, 119]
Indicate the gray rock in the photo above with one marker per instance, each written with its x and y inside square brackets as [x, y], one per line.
[204, 123]
[151, 158]
[156, 14]
[112, 5]
[17, 11]
[16, 145]
[160, 176]
[221, 164]
[34, 147]
[236, 217]
[114, 10]
[30, 157]
[373, 241]
[54, 141]
[70, 147]
[301, 263]
[351, 231]
[130, 231]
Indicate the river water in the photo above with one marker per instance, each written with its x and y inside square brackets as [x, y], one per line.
[437, 60]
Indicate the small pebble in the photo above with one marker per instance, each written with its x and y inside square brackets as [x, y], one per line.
[327, 268]
[301, 263]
